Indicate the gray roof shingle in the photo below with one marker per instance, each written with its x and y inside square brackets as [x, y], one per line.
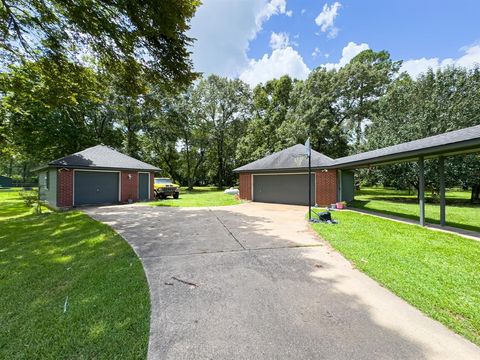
[104, 157]
[452, 142]
[292, 158]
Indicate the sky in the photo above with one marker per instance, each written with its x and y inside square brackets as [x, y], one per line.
[258, 40]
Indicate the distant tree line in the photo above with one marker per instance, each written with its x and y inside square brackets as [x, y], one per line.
[136, 92]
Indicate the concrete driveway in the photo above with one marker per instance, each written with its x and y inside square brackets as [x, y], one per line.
[252, 281]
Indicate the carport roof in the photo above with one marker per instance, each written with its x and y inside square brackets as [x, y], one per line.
[449, 143]
[103, 157]
[290, 159]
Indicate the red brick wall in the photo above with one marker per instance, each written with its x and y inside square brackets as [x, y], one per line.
[152, 192]
[129, 186]
[326, 187]
[246, 186]
[65, 188]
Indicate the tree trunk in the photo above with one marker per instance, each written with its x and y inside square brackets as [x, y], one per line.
[475, 193]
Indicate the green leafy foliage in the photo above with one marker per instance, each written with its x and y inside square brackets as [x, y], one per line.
[150, 35]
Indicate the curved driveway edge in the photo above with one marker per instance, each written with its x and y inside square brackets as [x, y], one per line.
[252, 281]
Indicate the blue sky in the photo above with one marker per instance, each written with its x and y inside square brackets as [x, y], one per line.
[260, 39]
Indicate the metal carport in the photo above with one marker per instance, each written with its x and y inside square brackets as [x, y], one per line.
[457, 142]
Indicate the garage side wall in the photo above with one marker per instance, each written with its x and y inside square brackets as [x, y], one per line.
[152, 188]
[129, 186]
[326, 187]
[246, 186]
[65, 188]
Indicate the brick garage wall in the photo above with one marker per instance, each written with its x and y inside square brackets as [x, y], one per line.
[65, 188]
[326, 187]
[152, 189]
[129, 186]
[246, 186]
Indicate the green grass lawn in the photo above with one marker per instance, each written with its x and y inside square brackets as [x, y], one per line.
[459, 213]
[437, 272]
[45, 259]
[199, 196]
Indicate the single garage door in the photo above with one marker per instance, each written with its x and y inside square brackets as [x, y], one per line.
[95, 187]
[283, 189]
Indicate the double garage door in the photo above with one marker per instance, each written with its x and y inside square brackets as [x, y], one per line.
[103, 187]
[283, 189]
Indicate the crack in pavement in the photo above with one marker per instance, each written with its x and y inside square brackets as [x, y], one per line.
[226, 228]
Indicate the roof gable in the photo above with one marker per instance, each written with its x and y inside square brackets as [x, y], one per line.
[291, 158]
[102, 156]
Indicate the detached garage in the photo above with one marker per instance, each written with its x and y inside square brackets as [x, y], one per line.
[96, 176]
[282, 178]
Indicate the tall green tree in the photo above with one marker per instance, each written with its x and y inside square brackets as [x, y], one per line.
[435, 103]
[314, 113]
[45, 118]
[361, 83]
[149, 33]
[224, 105]
[270, 104]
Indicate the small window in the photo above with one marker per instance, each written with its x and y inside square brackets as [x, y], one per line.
[47, 180]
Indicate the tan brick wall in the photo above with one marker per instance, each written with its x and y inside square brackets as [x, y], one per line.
[326, 187]
[129, 186]
[246, 186]
[65, 188]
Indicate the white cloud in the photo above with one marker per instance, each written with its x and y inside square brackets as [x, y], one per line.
[273, 7]
[280, 62]
[279, 40]
[326, 19]
[470, 59]
[223, 30]
[348, 53]
[316, 52]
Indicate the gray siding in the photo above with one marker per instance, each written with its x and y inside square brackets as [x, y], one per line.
[48, 194]
[347, 186]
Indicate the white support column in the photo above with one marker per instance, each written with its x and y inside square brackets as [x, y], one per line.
[441, 170]
[421, 189]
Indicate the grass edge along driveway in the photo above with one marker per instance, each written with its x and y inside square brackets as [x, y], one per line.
[439, 273]
[45, 259]
[199, 197]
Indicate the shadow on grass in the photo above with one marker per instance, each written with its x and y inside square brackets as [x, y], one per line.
[47, 258]
[363, 204]
[428, 200]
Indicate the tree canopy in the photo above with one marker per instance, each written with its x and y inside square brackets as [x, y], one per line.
[148, 36]
[51, 106]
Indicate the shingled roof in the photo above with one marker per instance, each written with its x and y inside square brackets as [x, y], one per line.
[449, 143]
[103, 157]
[292, 158]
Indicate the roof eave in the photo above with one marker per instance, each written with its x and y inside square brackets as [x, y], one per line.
[461, 147]
[282, 169]
[96, 167]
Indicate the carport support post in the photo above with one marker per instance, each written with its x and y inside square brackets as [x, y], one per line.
[441, 170]
[309, 186]
[421, 189]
